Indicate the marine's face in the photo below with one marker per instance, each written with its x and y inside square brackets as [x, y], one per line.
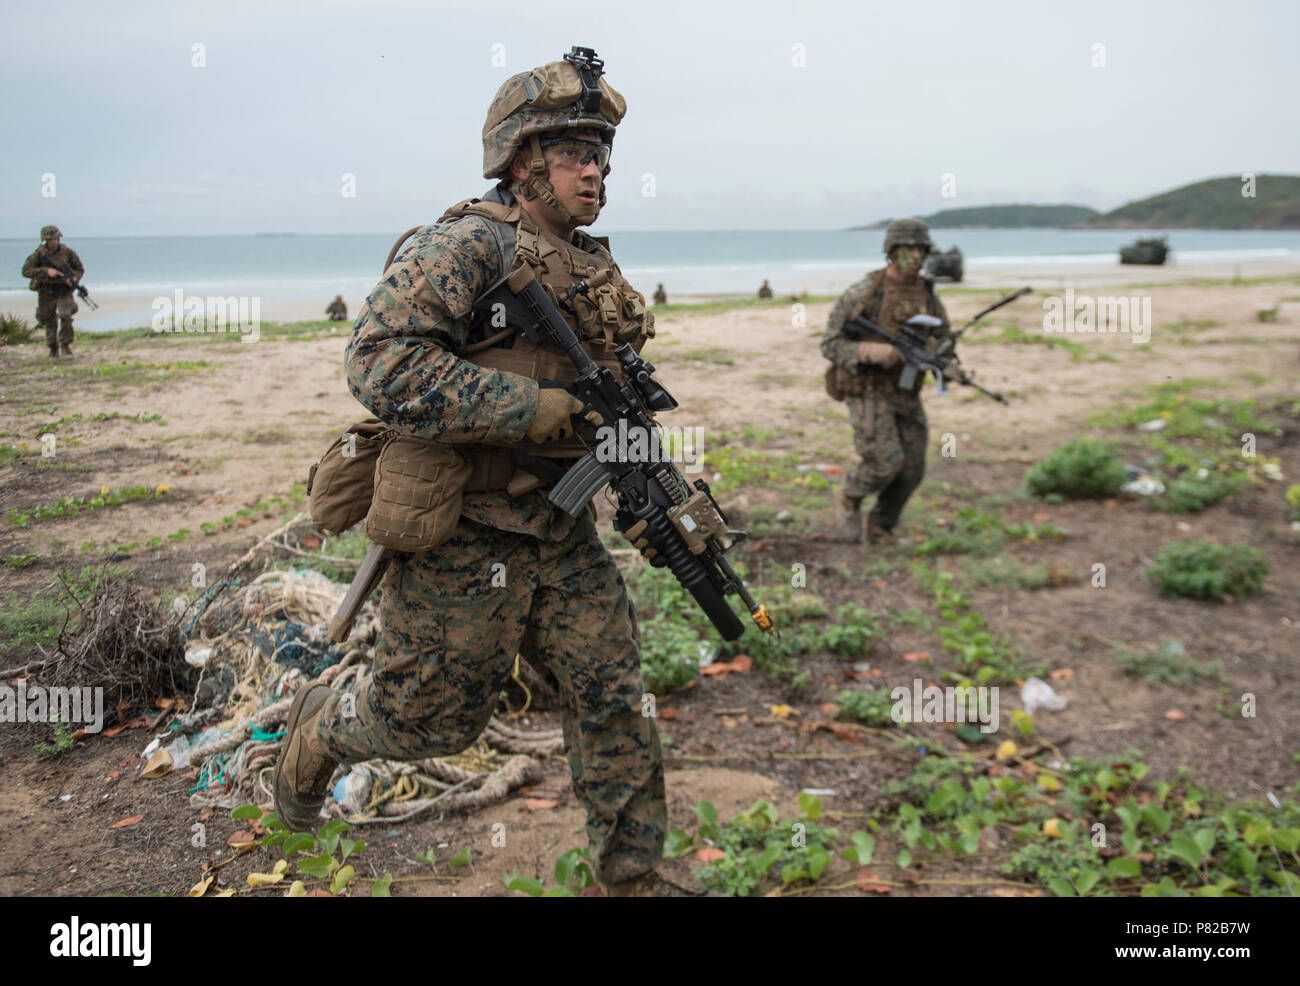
[908, 259]
[52, 243]
[576, 185]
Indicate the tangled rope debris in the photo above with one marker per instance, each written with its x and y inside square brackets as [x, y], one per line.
[124, 643]
[265, 639]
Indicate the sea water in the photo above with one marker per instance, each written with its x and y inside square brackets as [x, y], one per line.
[690, 263]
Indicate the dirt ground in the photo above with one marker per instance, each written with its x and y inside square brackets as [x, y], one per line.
[244, 428]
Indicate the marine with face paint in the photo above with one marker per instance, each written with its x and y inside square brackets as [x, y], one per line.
[889, 425]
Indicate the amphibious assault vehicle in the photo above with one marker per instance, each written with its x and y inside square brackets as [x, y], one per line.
[945, 266]
[1153, 251]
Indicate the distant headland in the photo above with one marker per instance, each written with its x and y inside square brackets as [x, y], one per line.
[1216, 203]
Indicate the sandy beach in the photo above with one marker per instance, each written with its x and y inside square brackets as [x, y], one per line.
[130, 310]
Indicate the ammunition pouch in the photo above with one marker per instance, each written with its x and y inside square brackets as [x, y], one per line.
[341, 485]
[842, 383]
[418, 488]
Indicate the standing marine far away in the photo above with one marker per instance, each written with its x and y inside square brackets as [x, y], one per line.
[889, 426]
[426, 367]
[54, 271]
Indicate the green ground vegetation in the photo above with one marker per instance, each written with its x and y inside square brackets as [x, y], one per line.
[1166, 664]
[1078, 470]
[1200, 570]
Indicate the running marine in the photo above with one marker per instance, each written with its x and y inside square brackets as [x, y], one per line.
[489, 437]
[889, 424]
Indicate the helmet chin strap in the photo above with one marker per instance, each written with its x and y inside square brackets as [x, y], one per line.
[537, 186]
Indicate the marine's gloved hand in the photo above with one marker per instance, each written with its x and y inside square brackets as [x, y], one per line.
[880, 354]
[555, 411]
[636, 534]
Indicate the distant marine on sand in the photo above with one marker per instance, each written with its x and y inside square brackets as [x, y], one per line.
[945, 266]
[1152, 251]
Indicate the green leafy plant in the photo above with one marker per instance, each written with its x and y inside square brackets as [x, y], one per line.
[872, 708]
[1200, 570]
[977, 532]
[324, 853]
[63, 744]
[1195, 490]
[984, 657]
[755, 842]
[573, 873]
[1167, 664]
[9, 454]
[71, 506]
[1099, 828]
[1080, 470]
[853, 633]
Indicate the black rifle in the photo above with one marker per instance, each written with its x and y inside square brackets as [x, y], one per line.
[921, 351]
[69, 278]
[684, 524]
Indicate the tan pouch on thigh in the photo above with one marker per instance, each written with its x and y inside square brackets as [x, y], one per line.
[419, 486]
[341, 485]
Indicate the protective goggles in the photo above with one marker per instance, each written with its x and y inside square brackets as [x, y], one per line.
[576, 153]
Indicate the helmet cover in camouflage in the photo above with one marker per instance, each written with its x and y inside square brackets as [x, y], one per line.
[907, 232]
[49, 232]
[546, 99]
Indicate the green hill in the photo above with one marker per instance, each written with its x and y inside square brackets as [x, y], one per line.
[1216, 203]
[1011, 216]
[1003, 217]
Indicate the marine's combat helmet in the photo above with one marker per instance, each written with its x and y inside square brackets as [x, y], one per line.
[908, 232]
[49, 232]
[565, 95]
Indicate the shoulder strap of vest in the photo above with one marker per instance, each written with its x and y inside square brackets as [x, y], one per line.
[871, 299]
[877, 285]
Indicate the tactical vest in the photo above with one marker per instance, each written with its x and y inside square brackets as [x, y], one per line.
[63, 257]
[606, 317]
[889, 304]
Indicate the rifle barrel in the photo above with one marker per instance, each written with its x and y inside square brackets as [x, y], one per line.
[995, 306]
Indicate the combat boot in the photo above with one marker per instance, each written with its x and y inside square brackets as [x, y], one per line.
[67, 350]
[879, 535]
[302, 774]
[649, 884]
[851, 518]
[54, 352]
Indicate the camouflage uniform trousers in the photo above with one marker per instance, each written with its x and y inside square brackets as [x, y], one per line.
[448, 643]
[51, 306]
[890, 436]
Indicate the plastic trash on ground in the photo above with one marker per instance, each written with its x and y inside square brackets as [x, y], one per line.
[1144, 485]
[1038, 694]
[352, 792]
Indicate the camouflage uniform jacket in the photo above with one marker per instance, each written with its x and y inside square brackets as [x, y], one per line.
[866, 297]
[402, 362]
[65, 257]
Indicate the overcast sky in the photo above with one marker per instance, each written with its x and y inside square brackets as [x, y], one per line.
[753, 115]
